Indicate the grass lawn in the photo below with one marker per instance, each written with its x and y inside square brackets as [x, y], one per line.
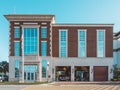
[26, 83]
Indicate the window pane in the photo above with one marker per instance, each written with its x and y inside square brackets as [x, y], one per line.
[63, 43]
[100, 43]
[82, 43]
[17, 48]
[44, 32]
[43, 48]
[16, 32]
[30, 41]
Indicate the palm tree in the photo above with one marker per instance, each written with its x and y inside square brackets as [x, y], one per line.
[4, 67]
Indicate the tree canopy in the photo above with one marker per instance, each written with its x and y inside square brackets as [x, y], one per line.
[4, 67]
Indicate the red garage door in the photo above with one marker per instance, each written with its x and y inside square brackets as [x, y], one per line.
[100, 73]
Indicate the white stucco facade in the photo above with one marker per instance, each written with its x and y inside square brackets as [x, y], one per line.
[53, 62]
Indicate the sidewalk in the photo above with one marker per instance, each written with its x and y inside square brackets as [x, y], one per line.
[85, 83]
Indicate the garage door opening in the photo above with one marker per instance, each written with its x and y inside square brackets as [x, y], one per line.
[81, 73]
[63, 73]
[100, 73]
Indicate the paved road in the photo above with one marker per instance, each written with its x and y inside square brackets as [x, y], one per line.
[12, 87]
[60, 87]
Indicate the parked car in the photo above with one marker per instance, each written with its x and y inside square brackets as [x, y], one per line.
[3, 78]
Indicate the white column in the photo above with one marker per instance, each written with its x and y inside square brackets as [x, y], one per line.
[72, 73]
[91, 71]
[110, 73]
[39, 72]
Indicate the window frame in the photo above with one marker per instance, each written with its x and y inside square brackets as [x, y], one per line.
[42, 33]
[104, 51]
[85, 30]
[17, 48]
[23, 28]
[41, 48]
[17, 32]
[66, 30]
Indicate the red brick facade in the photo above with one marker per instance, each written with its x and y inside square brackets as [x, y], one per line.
[73, 41]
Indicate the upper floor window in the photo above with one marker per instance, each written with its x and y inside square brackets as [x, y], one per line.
[17, 48]
[43, 48]
[63, 43]
[16, 32]
[17, 67]
[44, 32]
[82, 43]
[30, 41]
[100, 43]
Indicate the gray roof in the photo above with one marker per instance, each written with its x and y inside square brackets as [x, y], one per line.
[29, 17]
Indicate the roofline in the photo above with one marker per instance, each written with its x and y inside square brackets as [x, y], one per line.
[29, 17]
[88, 25]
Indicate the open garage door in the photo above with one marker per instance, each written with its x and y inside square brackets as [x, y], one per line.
[100, 73]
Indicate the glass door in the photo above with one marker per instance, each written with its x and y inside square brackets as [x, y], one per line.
[29, 76]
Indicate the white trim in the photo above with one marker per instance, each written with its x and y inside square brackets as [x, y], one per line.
[43, 26]
[66, 42]
[16, 27]
[85, 30]
[30, 23]
[43, 23]
[16, 23]
[43, 41]
[30, 26]
[38, 52]
[16, 41]
[83, 25]
[50, 39]
[104, 43]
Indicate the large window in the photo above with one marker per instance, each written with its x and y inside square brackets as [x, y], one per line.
[17, 48]
[43, 48]
[82, 43]
[17, 67]
[16, 32]
[63, 43]
[30, 41]
[100, 43]
[44, 32]
[44, 67]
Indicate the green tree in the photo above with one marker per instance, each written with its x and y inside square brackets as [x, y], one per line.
[4, 67]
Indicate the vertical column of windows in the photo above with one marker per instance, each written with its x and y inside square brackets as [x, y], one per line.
[82, 43]
[100, 43]
[63, 43]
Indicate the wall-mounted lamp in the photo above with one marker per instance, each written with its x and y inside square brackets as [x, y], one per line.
[92, 70]
[72, 70]
[111, 70]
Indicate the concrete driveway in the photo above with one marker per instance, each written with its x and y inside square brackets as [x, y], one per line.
[62, 87]
[73, 87]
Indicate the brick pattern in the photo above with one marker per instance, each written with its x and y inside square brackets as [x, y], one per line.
[91, 41]
[12, 39]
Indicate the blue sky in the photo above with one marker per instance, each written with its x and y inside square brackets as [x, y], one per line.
[66, 11]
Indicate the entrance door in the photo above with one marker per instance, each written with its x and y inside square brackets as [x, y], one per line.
[30, 72]
[29, 76]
